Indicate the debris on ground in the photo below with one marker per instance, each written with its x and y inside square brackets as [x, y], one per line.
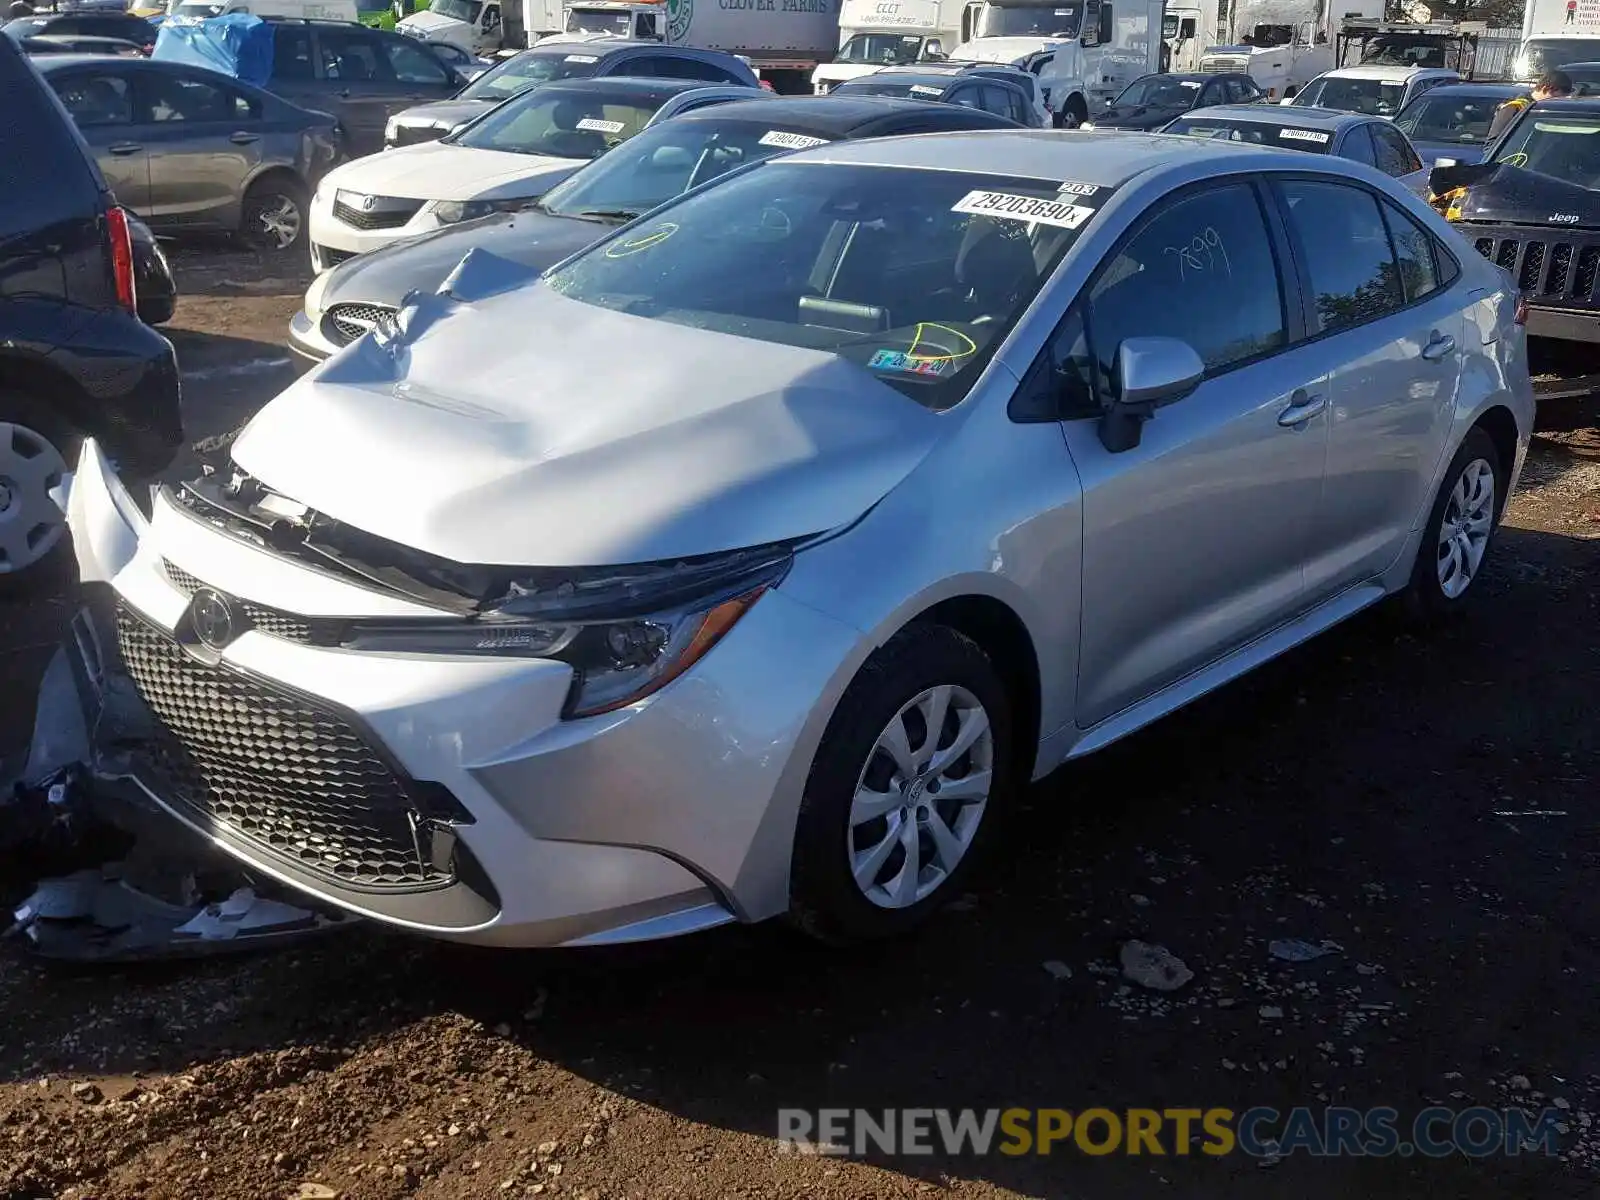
[1296, 950]
[1154, 967]
[1057, 970]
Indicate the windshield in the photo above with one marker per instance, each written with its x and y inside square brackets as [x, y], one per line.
[1159, 91]
[558, 124]
[459, 10]
[883, 48]
[1405, 52]
[1029, 20]
[21, 27]
[592, 21]
[1374, 97]
[915, 276]
[528, 70]
[1257, 133]
[666, 161]
[1537, 56]
[1436, 118]
[1566, 147]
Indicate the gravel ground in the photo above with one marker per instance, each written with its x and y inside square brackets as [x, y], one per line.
[1369, 790]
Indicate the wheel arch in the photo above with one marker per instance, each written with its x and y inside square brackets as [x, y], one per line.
[273, 173]
[1498, 422]
[45, 384]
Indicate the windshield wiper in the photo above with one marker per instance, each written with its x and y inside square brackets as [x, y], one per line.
[607, 214]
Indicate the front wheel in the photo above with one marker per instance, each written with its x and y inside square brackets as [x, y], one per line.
[1073, 114]
[1455, 540]
[906, 788]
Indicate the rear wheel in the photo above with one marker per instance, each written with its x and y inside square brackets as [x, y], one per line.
[906, 788]
[1073, 113]
[1455, 540]
[274, 216]
[35, 448]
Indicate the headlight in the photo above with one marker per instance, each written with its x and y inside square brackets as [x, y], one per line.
[451, 212]
[626, 632]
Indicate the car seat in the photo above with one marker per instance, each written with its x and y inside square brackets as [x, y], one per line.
[567, 140]
[994, 268]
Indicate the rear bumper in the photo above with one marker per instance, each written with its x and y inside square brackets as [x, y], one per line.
[1564, 325]
[128, 374]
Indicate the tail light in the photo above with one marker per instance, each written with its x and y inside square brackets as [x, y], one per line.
[122, 257]
[1520, 316]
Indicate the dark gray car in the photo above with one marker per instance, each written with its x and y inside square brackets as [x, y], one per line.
[563, 60]
[643, 172]
[189, 149]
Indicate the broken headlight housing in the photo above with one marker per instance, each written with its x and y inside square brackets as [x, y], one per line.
[625, 631]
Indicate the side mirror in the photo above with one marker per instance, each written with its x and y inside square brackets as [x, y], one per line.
[1152, 371]
[933, 49]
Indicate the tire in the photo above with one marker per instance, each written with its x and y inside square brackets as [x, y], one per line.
[1074, 114]
[274, 216]
[922, 662]
[36, 448]
[1442, 579]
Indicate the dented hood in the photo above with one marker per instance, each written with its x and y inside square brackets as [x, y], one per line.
[529, 429]
[1504, 195]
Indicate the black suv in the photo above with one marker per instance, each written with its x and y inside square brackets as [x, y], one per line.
[75, 360]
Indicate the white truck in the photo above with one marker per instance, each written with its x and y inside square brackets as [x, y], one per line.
[1186, 33]
[783, 40]
[1285, 44]
[482, 27]
[1083, 51]
[889, 33]
[1554, 33]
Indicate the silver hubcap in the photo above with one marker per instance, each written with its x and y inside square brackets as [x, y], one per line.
[1464, 532]
[280, 222]
[30, 522]
[921, 797]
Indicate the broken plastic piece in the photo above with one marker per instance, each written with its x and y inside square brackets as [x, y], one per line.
[244, 912]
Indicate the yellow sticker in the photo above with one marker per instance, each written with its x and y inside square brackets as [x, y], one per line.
[633, 245]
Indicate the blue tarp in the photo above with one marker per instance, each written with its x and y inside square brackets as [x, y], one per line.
[237, 44]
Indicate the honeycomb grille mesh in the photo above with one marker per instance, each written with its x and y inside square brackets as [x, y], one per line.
[288, 776]
[261, 618]
[347, 322]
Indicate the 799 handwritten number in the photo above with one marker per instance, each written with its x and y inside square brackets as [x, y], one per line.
[1203, 252]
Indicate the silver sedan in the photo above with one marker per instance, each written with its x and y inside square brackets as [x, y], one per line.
[830, 505]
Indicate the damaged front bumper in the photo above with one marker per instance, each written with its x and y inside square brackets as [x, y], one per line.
[443, 795]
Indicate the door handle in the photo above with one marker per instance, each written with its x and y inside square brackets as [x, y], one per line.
[244, 139]
[1438, 346]
[122, 148]
[1302, 407]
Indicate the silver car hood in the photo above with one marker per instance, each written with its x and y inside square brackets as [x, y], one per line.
[529, 429]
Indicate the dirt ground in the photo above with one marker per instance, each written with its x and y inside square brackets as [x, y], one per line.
[1424, 804]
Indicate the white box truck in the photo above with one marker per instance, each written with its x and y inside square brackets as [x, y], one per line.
[484, 27]
[1187, 32]
[1285, 44]
[783, 40]
[1084, 51]
[889, 33]
[1554, 33]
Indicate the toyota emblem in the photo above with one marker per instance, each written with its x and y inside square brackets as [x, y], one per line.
[212, 618]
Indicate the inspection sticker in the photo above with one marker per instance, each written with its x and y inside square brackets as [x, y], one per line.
[581, 58]
[1305, 135]
[922, 89]
[895, 360]
[1023, 208]
[1078, 189]
[598, 126]
[790, 141]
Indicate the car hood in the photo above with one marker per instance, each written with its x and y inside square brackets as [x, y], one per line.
[427, 22]
[1464, 153]
[384, 276]
[1001, 49]
[1138, 116]
[1494, 193]
[446, 114]
[589, 437]
[441, 171]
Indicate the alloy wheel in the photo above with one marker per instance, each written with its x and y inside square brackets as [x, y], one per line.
[921, 796]
[31, 523]
[280, 221]
[1465, 527]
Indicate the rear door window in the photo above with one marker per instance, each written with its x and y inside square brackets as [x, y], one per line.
[95, 99]
[1394, 154]
[291, 53]
[1357, 144]
[350, 56]
[1347, 253]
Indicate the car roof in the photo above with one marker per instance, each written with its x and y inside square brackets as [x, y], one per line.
[1191, 76]
[1478, 89]
[1105, 158]
[910, 75]
[637, 87]
[1575, 104]
[835, 116]
[1385, 71]
[610, 46]
[1287, 115]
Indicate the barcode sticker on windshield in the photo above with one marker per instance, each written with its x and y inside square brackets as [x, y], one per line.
[791, 141]
[922, 89]
[1023, 208]
[1305, 135]
[581, 58]
[599, 126]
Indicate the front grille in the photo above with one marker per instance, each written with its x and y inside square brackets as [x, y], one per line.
[287, 775]
[309, 630]
[387, 212]
[1225, 65]
[1559, 272]
[347, 322]
[331, 257]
